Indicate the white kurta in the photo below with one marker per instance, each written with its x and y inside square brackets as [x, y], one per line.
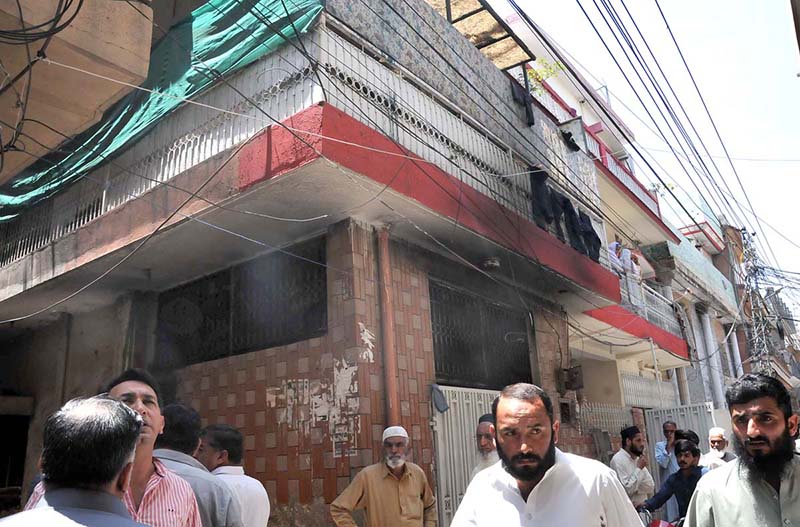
[251, 494]
[638, 482]
[575, 492]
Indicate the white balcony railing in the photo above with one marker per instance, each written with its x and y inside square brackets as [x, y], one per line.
[648, 304]
[283, 83]
[552, 105]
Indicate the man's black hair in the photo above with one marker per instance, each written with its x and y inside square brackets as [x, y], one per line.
[684, 445]
[629, 433]
[226, 437]
[755, 385]
[88, 442]
[139, 375]
[182, 429]
[689, 435]
[524, 392]
[486, 418]
[668, 423]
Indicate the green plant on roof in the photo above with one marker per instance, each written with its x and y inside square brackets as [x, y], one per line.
[541, 70]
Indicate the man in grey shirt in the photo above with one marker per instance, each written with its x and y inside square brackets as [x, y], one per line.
[175, 448]
[87, 459]
[762, 486]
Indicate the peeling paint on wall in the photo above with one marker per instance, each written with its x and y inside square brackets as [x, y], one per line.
[368, 340]
[302, 403]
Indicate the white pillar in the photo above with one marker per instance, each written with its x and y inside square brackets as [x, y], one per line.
[702, 357]
[737, 358]
[715, 362]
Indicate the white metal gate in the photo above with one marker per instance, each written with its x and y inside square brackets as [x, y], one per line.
[454, 444]
[697, 417]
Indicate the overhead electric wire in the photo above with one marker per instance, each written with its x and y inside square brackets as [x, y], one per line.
[659, 93]
[711, 119]
[690, 142]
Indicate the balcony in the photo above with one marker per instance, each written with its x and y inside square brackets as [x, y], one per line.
[646, 302]
[616, 184]
[356, 79]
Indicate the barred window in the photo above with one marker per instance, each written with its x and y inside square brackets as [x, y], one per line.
[269, 301]
[477, 343]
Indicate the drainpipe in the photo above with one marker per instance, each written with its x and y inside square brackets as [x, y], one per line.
[390, 372]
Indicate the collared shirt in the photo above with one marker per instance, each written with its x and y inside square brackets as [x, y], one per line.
[574, 492]
[389, 501]
[726, 497]
[678, 486]
[638, 482]
[250, 493]
[484, 462]
[668, 464]
[168, 500]
[70, 507]
[216, 502]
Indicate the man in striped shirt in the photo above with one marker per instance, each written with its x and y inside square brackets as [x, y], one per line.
[157, 496]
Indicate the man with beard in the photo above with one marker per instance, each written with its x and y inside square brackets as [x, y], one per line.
[681, 484]
[537, 484]
[717, 455]
[762, 486]
[631, 466]
[487, 451]
[394, 492]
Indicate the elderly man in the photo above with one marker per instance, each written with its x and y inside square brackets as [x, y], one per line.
[175, 447]
[221, 451]
[667, 462]
[487, 451]
[82, 488]
[717, 455]
[762, 486]
[537, 484]
[630, 464]
[394, 492]
[157, 496]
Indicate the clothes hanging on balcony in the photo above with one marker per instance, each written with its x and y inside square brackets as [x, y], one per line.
[590, 237]
[556, 200]
[573, 225]
[540, 197]
[523, 98]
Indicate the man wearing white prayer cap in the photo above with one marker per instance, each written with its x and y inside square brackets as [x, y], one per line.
[394, 492]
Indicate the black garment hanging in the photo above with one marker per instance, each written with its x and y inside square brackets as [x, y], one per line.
[556, 205]
[523, 98]
[540, 197]
[574, 230]
[590, 237]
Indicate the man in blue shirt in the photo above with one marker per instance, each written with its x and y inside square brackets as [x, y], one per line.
[668, 464]
[680, 484]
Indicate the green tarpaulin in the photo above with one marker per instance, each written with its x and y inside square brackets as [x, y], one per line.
[222, 35]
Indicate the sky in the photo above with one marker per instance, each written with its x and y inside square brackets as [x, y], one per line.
[744, 57]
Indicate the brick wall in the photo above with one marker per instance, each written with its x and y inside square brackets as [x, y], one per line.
[312, 412]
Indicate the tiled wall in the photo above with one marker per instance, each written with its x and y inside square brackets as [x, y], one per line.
[312, 412]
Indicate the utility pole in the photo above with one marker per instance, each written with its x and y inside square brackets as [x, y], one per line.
[759, 333]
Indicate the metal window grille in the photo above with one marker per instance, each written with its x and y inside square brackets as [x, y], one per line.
[269, 301]
[477, 343]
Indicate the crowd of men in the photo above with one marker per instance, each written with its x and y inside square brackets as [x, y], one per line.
[119, 459]
[160, 468]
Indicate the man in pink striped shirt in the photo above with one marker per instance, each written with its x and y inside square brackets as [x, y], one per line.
[157, 496]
